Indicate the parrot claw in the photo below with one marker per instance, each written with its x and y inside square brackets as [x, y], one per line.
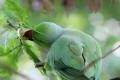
[93, 78]
[40, 64]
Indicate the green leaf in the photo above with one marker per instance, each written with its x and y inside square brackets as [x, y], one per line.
[33, 56]
[14, 47]
[2, 18]
[7, 60]
[15, 8]
[9, 56]
[2, 51]
[34, 53]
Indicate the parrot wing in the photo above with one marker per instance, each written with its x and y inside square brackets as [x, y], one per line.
[66, 56]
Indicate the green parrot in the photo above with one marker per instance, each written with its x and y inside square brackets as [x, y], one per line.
[69, 51]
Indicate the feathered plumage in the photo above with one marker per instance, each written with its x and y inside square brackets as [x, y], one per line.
[69, 51]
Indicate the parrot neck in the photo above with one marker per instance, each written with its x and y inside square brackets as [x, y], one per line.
[57, 35]
[51, 39]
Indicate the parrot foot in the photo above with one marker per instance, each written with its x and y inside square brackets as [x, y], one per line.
[92, 78]
[40, 64]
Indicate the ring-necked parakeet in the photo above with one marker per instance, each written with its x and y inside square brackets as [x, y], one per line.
[69, 50]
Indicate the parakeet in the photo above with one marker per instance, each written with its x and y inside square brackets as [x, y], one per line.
[69, 50]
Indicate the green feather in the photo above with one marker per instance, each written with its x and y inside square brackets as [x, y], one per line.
[69, 51]
[46, 33]
[72, 51]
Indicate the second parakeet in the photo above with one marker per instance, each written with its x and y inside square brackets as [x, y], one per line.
[69, 50]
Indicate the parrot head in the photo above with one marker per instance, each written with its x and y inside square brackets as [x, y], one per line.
[43, 34]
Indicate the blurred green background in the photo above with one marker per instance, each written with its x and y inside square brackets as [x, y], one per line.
[103, 24]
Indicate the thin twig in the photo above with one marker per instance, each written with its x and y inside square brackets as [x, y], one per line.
[11, 25]
[5, 67]
[98, 59]
[95, 61]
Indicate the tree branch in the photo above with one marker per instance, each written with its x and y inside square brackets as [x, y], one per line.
[98, 59]
[95, 61]
[11, 25]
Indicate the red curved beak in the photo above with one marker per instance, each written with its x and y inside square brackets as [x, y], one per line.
[28, 34]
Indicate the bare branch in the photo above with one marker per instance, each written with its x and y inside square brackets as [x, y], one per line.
[11, 25]
[98, 59]
[95, 61]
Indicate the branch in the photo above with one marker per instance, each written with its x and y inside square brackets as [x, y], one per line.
[98, 59]
[95, 61]
[5, 67]
[11, 25]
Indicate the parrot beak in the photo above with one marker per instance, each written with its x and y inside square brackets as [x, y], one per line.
[28, 34]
